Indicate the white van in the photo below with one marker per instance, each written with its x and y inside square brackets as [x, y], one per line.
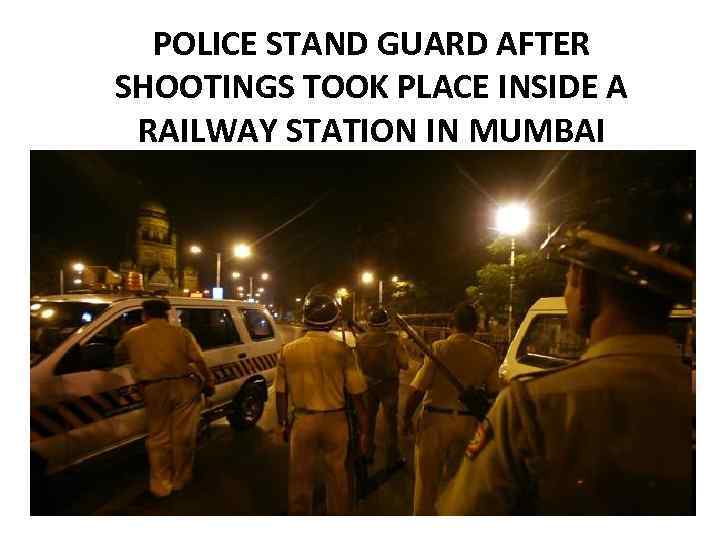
[84, 403]
[544, 339]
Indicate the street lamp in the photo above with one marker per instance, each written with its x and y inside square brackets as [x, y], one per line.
[512, 219]
[195, 250]
[236, 275]
[242, 251]
[264, 276]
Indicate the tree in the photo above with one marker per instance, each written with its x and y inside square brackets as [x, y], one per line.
[535, 277]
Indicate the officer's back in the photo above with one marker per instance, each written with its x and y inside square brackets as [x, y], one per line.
[158, 349]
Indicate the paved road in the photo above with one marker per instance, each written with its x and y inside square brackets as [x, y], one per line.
[236, 473]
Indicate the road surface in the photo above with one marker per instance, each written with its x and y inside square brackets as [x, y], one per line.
[236, 473]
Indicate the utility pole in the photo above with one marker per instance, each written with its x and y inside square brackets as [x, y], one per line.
[217, 270]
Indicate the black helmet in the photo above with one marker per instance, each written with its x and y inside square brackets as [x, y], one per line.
[378, 317]
[646, 238]
[320, 310]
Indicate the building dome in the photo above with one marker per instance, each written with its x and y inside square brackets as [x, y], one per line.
[152, 207]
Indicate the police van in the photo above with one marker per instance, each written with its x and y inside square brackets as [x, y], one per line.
[544, 339]
[83, 402]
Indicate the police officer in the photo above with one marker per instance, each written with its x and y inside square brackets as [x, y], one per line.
[609, 434]
[445, 425]
[163, 358]
[314, 373]
[381, 355]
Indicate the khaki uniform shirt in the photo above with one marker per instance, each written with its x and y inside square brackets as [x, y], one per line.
[316, 370]
[158, 349]
[472, 362]
[610, 434]
[381, 354]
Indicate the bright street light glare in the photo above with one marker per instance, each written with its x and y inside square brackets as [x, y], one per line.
[236, 275]
[264, 276]
[367, 277]
[298, 300]
[242, 251]
[512, 219]
[395, 279]
[78, 267]
[77, 281]
[195, 250]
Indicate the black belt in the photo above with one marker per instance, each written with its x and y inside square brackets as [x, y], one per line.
[440, 410]
[311, 411]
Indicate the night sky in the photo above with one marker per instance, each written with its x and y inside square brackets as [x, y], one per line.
[412, 213]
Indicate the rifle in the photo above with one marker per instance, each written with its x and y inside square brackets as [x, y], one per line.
[475, 399]
[357, 462]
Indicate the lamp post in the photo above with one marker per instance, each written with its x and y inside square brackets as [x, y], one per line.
[512, 219]
[241, 251]
[264, 277]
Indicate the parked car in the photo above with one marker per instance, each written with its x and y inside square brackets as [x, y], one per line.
[83, 402]
[544, 339]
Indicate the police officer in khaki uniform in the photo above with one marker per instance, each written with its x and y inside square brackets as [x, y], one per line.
[314, 374]
[163, 357]
[445, 426]
[381, 355]
[610, 434]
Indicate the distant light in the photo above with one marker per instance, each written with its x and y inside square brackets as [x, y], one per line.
[257, 294]
[238, 289]
[195, 250]
[78, 267]
[342, 292]
[48, 313]
[261, 290]
[242, 251]
[86, 316]
[206, 291]
[217, 293]
[275, 314]
[236, 275]
[77, 281]
[264, 276]
[35, 307]
[395, 279]
[512, 219]
[270, 305]
[298, 299]
[241, 288]
[186, 291]
[367, 278]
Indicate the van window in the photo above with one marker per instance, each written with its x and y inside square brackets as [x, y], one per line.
[549, 342]
[112, 333]
[213, 328]
[258, 324]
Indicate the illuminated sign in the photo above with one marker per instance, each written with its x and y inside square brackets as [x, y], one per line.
[217, 293]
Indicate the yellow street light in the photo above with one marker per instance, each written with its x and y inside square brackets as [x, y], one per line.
[298, 300]
[77, 281]
[512, 219]
[242, 251]
[78, 267]
[342, 292]
[367, 278]
[264, 276]
[395, 279]
[236, 275]
[195, 250]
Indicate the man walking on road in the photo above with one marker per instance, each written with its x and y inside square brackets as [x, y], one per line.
[381, 356]
[162, 358]
[446, 426]
[314, 373]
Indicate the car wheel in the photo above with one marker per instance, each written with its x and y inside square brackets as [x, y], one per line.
[249, 405]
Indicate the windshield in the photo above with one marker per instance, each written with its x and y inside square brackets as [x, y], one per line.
[52, 322]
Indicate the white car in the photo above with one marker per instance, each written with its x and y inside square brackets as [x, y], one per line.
[84, 403]
[544, 339]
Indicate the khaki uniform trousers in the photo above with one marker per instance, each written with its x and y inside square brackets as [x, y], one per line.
[321, 436]
[172, 409]
[439, 447]
[385, 393]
